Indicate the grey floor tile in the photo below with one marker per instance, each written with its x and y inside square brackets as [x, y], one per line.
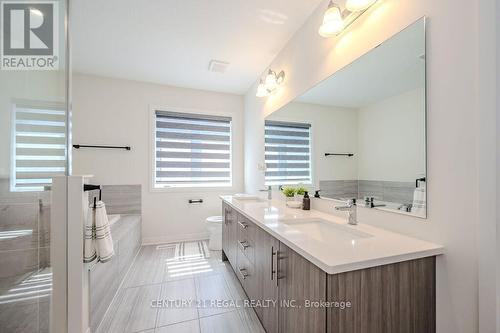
[131, 310]
[178, 291]
[148, 268]
[192, 326]
[178, 269]
[214, 295]
[241, 321]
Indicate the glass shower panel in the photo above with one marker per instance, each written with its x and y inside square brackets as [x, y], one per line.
[33, 149]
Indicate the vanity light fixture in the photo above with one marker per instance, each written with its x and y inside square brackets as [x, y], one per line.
[336, 20]
[270, 83]
[261, 90]
[333, 22]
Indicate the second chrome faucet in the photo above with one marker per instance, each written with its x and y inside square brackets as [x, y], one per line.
[351, 209]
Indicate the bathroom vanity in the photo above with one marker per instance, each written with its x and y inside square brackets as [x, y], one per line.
[325, 275]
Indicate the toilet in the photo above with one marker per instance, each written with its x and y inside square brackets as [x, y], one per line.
[214, 225]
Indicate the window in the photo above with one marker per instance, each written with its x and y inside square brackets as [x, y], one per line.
[288, 153]
[192, 150]
[38, 147]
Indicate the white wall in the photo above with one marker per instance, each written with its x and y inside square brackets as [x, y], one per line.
[333, 129]
[117, 112]
[488, 234]
[452, 118]
[381, 157]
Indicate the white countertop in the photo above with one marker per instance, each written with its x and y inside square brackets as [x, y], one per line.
[380, 248]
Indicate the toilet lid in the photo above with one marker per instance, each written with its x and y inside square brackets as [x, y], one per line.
[214, 219]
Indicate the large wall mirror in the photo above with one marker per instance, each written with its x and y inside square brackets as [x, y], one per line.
[361, 133]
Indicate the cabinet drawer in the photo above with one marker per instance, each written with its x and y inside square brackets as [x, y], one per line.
[247, 275]
[246, 237]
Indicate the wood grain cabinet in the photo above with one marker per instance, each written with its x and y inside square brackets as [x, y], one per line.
[395, 298]
[391, 298]
[229, 234]
[301, 286]
[266, 251]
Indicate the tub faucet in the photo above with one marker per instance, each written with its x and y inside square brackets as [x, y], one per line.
[269, 191]
[351, 209]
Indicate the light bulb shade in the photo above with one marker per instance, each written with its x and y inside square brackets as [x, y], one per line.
[271, 81]
[358, 5]
[261, 90]
[333, 23]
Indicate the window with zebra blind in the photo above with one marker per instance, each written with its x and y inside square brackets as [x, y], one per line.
[38, 146]
[192, 150]
[288, 153]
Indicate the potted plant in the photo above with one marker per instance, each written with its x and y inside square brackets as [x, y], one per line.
[300, 191]
[289, 193]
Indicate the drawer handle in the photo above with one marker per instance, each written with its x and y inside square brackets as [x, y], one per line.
[243, 225]
[244, 245]
[243, 273]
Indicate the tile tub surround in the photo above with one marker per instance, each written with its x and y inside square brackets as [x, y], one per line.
[381, 248]
[105, 278]
[120, 199]
[24, 253]
[389, 191]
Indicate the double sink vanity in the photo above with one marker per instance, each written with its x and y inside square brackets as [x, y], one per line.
[308, 271]
[357, 136]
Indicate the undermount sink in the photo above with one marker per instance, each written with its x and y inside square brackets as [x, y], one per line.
[323, 230]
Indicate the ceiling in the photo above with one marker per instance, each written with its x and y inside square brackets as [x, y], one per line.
[172, 41]
[394, 67]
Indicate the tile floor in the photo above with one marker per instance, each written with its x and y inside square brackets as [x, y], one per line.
[160, 273]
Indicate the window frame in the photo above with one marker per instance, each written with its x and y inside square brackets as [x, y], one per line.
[311, 124]
[152, 160]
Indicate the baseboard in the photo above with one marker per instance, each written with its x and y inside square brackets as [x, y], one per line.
[174, 238]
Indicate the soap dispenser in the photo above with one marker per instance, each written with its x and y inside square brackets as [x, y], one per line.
[306, 202]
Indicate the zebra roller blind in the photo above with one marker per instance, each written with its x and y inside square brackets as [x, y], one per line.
[288, 153]
[192, 150]
[38, 147]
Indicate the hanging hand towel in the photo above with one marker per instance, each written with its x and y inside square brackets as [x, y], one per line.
[103, 240]
[89, 252]
[419, 200]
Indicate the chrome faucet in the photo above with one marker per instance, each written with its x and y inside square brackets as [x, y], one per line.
[351, 209]
[269, 191]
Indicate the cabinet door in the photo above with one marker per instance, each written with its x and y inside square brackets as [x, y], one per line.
[266, 250]
[300, 281]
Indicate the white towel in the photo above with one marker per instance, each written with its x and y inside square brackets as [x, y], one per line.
[89, 251]
[103, 240]
[419, 200]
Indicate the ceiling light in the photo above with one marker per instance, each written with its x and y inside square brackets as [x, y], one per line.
[261, 90]
[358, 5]
[333, 23]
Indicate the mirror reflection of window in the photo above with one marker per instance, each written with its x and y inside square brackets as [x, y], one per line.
[288, 153]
